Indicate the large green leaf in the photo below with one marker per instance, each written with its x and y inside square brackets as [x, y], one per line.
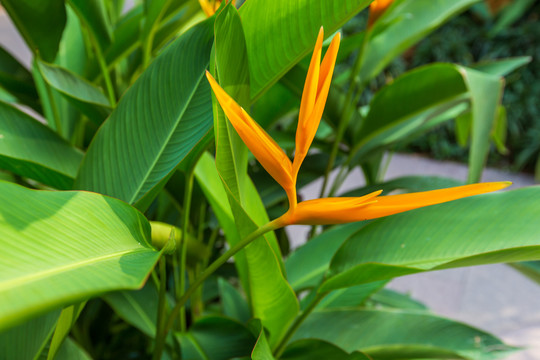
[418, 100]
[70, 350]
[280, 33]
[312, 349]
[73, 56]
[234, 305]
[232, 68]
[394, 299]
[180, 16]
[306, 266]
[40, 23]
[66, 247]
[216, 338]
[93, 14]
[260, 264]
[483, 229]
[66, 320]
[231, 153]
[208, 178]
[502, 67]
[405, 23]
[138, 308]
[387, 334]
[27, 340]
[486, 94]
[156, 124]
[272, 299]
[31, 149]
[17, 80]
[529, 268]
[82, 94]
[261, 350]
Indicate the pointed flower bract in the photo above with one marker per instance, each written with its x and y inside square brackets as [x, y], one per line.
[326, 210]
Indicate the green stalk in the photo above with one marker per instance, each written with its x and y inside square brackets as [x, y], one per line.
[188, 190]
[160, 341]
[104, 70]
[210, 245]
[54, 108]
[176, 275]
[296, 324]
[161, 296]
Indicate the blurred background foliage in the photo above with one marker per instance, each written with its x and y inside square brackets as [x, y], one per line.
[491, 30]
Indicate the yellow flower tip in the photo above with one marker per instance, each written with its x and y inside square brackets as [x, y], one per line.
[211, 6]
[207, 7]
[328, 211]
[314, 96]
[376, 10]
[394, 204]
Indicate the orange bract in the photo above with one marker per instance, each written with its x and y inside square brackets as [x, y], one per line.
[275, 161]
[210, 6]
[376, 9]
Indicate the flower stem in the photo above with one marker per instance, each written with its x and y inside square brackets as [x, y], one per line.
[183, 250]
[160, 340]
[160, 318]
[104, 70]
[296, 324]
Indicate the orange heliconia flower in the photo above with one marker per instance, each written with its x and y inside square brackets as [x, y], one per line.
[210, 6]
[376, 9]
[326, 210]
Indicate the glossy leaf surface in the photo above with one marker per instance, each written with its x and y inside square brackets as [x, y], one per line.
[27, 340]
[312, 349]
[260, 264]
[419, 102]
[66, 247]
[280, 33]
[31, 149]
[82, 94]
[484, 229]
[387, 334]
[404, 24]
[31, 20]
[216, 338]
[93, 14]
[156, 124]
[17, 80]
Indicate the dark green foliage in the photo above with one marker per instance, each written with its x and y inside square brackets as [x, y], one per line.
[465, 40]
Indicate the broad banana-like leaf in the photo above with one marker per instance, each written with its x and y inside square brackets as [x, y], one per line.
[391, 334]
[30, 149]
[41, 25]
[62, 247]
[280, 33]
[484, 229]
[156, 124]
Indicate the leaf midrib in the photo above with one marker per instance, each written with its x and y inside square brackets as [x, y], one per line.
[135, 196]
[21, 281]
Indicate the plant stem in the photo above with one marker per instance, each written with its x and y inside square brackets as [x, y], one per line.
[54, 108]
[188, 190]
[161, 298]
[160, 340]
[296, 324]
[104, 70]
[176, 275]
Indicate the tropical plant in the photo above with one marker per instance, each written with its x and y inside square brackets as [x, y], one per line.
[139, 177]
